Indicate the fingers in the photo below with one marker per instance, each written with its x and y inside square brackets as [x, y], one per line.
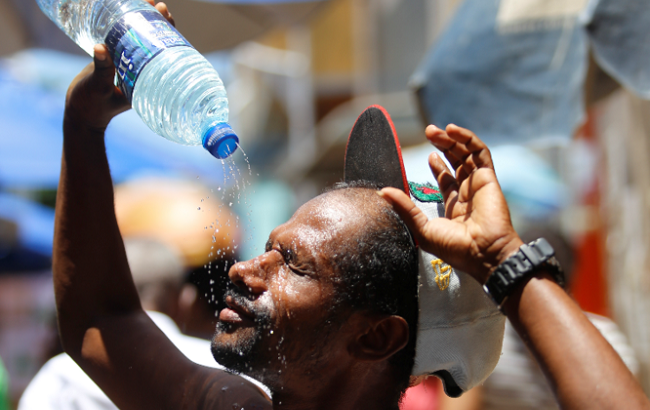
[412, 216]
[462, 148]
[480, 152]
[429, 234]
[104, 71]
[102, 80]
[162, 8]
[447, 184]
[454, 151]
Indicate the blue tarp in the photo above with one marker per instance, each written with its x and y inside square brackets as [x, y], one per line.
[518, 76]
[513, 86]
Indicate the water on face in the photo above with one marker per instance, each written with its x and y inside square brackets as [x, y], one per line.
[232, 192]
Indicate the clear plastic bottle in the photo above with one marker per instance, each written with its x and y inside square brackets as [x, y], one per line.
[172, 87]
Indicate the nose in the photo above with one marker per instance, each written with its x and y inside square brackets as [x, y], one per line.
[252, 274]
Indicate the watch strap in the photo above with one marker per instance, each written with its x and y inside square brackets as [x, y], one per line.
[529, 259]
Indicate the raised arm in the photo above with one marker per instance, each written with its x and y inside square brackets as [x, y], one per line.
[102, 325]
[476, 236]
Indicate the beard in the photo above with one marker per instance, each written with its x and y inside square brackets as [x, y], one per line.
[242, 354]
[264, 352]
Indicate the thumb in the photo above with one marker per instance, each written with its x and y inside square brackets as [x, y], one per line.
[412, 216]
[104, 72]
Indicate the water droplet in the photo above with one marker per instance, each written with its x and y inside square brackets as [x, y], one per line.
[198, 209]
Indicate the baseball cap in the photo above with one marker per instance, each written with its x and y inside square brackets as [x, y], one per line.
[460, 330]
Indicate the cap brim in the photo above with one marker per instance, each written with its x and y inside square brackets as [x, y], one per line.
[373, 152]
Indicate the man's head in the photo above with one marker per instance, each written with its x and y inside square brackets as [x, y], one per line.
[157, 271]
[335, 290]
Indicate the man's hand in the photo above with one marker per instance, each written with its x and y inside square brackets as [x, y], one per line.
[476, 235]
[92, 99]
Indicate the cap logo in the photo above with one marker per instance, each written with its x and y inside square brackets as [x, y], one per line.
[425, 192]
[443, 273]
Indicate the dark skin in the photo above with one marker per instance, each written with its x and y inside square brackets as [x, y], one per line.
[105, 330]
[582, 368]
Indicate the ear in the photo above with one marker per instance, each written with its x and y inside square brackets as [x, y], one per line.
[379, 338]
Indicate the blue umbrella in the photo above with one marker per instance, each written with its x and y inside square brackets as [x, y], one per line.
[30, 135]
[31, 141]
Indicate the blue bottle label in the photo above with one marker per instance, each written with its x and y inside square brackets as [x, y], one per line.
[134, 40]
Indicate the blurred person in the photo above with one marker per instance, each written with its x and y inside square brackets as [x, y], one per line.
[517, 382]
[200, 304]
[180, 213]
[158, 274]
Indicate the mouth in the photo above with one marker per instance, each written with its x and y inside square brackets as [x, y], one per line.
[235, 313]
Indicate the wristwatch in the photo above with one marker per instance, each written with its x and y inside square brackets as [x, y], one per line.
[528, 260]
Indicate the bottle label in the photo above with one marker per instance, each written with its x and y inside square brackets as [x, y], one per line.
[134, 40]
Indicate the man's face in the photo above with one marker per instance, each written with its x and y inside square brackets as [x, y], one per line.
[280, 317]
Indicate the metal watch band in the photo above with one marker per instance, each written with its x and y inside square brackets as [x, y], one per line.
[527, 261]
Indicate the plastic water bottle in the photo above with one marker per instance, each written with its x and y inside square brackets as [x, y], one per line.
[172, 87]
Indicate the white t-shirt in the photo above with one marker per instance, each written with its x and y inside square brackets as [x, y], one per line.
[518, 383]
[62, 385]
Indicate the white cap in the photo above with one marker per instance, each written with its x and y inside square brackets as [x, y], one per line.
[460, 330]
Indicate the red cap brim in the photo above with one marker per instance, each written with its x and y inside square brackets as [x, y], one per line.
[373, 152]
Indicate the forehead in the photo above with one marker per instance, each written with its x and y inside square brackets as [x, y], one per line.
[328, 221]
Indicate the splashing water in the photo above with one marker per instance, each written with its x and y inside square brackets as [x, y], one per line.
[233, 192]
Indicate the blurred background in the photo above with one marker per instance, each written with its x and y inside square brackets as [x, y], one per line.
[558, 89]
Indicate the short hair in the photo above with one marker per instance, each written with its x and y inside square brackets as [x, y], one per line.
[381, 275]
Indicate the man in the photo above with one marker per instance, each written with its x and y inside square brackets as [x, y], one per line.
[306, 317]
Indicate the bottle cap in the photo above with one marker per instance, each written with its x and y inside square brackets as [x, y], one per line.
[220, 140]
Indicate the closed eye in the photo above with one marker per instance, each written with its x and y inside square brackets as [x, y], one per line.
[291, 260]
[299, 270]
